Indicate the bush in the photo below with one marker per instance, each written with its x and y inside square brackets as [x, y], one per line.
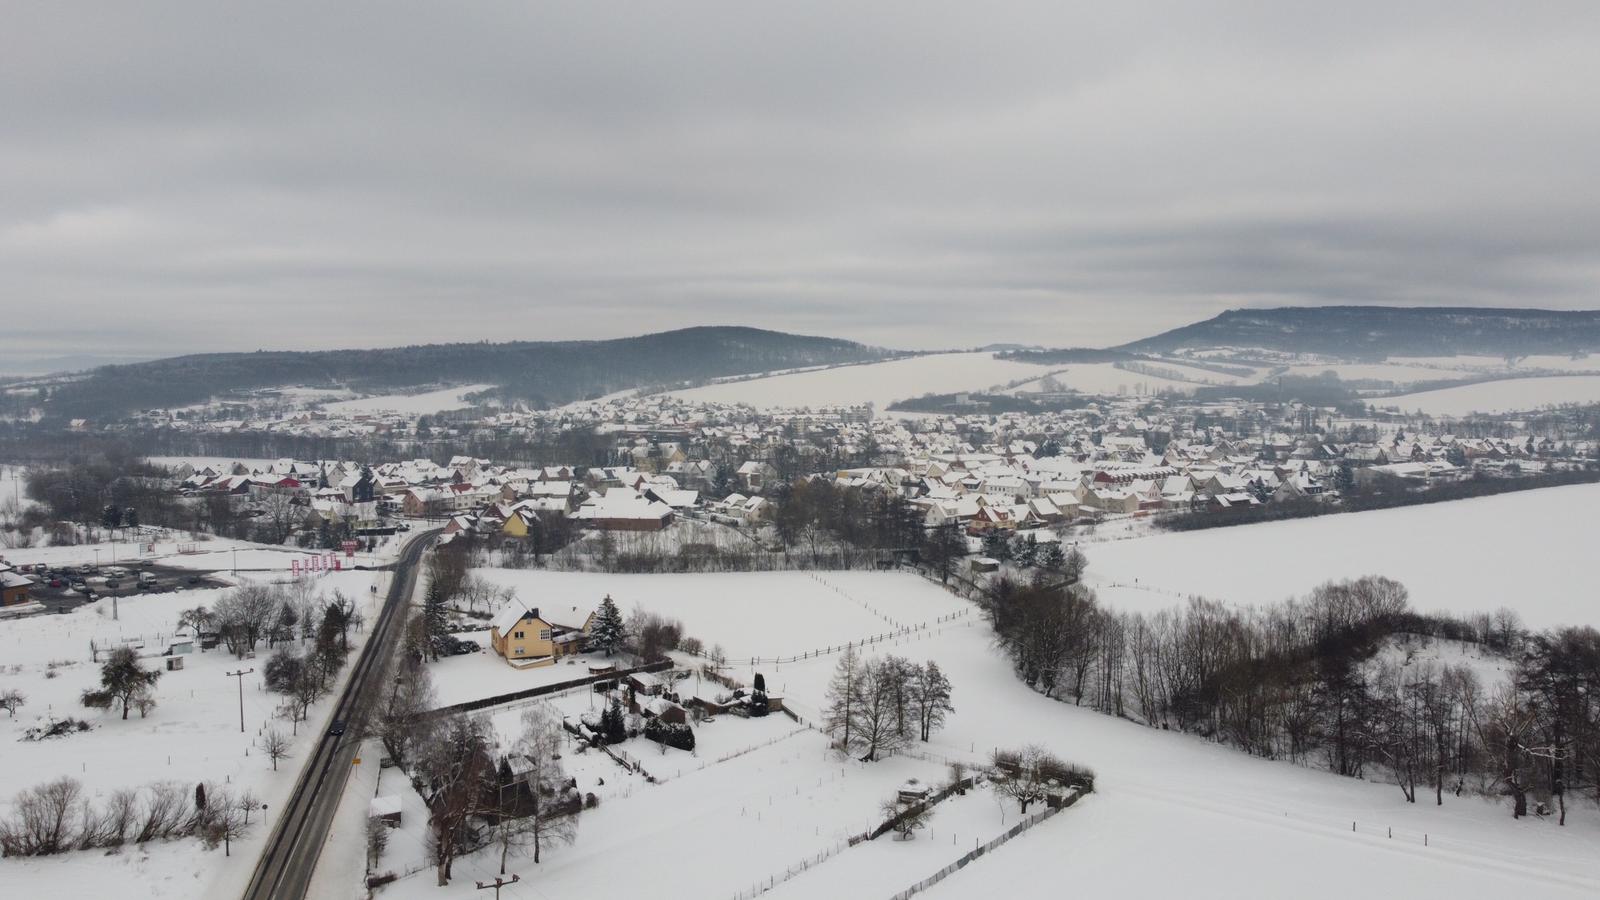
[673, 734]
[55, 728]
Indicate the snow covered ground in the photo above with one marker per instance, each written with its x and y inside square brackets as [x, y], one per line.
[1173, 815]
[1507, 395]
[1105, 378]
[408, 404]
[179, 549]
[877, 383]
[1521, 550]
[743, 611]
[192, 735]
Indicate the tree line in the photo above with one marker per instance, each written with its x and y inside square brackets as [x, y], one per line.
[1336, 679]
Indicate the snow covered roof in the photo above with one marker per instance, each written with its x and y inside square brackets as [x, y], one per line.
[383, 806]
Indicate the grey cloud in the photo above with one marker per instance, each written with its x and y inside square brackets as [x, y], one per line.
[182, 176]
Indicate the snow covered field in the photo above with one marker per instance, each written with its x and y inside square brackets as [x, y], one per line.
[1218, 823]
[751, 614]
[1104, 378]
[1508, 395]
[876, 383]
[193, 734]
[1522, 550]
[1173, 815]
[407, 404]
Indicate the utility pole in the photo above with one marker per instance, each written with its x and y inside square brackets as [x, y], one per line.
[498, 884]
[240, 675]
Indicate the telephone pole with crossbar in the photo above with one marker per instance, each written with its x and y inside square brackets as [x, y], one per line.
[498, 884]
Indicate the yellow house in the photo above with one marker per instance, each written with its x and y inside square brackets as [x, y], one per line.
[516, 524]
[525, 638]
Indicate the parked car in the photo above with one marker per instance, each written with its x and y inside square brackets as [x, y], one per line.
[113, 583]
[194, 579]
[56, 582]
[85, 569]
[80, 587]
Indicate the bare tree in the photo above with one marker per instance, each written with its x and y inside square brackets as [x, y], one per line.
[275, 744]
[547, 797]
[875, 725]
[907, 818]
[13, 700]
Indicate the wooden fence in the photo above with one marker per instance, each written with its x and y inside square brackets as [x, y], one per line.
[541, 690]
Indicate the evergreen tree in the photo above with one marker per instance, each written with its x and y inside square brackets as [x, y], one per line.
[1344, 479]
[130, 518]
[1051, 558]
[1027, 551]
[997, 544]
[435, 621]
[111, 517]
[608, 631]
[613, 724]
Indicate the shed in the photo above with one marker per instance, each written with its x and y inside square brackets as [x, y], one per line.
[914, 791]
[385, 809]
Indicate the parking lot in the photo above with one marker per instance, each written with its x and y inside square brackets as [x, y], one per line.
[114, 580]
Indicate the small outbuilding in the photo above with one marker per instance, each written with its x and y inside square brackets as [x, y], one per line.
[385, 810]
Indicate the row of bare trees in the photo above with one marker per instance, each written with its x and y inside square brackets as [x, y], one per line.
[1338, 678]
[878, 706]
[60, 816]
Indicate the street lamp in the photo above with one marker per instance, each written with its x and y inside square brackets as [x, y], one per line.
[97, 558]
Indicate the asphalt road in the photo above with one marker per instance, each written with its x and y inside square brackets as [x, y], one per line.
[290, 856]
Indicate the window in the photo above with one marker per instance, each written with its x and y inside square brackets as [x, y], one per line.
[544, 634]
[519, 635]
[521, 650]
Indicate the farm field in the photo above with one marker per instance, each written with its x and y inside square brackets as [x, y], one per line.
[1452, 557]
[1506, 395]
[878, 383]
[410, 404]
[1216, 813]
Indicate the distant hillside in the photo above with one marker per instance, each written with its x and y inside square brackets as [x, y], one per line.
[541, 373]
[1375, 332]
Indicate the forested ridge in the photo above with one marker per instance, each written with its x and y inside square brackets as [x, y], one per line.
[539, 373]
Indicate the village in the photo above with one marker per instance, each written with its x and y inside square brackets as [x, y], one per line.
[579, 633]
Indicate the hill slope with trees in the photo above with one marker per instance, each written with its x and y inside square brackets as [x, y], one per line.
[1377, 332]
[540, 373]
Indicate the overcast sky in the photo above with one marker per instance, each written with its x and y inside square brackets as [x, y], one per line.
[177, 177]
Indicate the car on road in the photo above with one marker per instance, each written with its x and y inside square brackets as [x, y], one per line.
[148, 562]
[146, 580]
[194, 579]
[113, 583]
[337, 728]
